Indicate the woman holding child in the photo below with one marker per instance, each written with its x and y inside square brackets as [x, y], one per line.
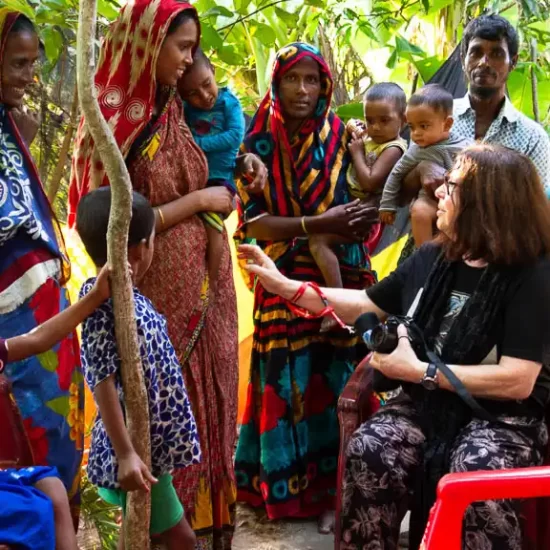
[146, 51]
[48, 386]
[288, 447]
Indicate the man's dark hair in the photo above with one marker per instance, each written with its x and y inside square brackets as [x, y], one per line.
[490, 27]
[23, 24]
[388, 91]
[434, 96]
[181, 18]
[92, 219]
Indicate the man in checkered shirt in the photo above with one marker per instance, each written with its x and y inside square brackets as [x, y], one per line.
[489, 53]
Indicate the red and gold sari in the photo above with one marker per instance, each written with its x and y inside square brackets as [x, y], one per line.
[165, 164]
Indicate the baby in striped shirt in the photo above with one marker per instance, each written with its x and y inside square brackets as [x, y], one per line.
[429, 116]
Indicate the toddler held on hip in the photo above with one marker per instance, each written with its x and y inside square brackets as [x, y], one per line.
[216, 120]
[429, 116]
[113, 464]
[375, 147]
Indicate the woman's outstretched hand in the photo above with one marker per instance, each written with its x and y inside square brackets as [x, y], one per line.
[261, 265]
[352, 220]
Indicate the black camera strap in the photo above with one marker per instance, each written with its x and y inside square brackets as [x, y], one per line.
[461, 390]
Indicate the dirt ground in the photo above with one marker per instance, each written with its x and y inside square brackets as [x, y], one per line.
[255, 532]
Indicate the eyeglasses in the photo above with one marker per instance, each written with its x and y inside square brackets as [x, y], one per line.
[449, 186]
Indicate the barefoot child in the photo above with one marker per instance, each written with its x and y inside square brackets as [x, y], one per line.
[216, 120]
[374, 153]
[429, 115]
[35, 511]
[113, 464]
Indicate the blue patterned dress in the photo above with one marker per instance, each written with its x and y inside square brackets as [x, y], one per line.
[174, 439]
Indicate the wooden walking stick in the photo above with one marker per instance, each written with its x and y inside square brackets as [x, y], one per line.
[135, 395]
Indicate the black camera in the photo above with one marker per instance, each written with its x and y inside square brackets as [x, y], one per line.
[383, 338]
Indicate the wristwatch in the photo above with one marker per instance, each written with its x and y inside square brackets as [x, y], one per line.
[429, 380]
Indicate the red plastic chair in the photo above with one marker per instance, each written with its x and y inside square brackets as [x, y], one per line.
[456, 492]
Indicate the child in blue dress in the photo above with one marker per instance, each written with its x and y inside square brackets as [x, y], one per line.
[215, 118]
[113, 465]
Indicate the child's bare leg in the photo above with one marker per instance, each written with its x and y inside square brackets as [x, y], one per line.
[214, 255]
[423, 216]
[320, 247]
[65, 536]
[180, 537]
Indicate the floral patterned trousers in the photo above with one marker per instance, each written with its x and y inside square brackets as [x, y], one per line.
[383, 458]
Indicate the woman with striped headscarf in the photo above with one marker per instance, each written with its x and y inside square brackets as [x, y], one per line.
[288, 448]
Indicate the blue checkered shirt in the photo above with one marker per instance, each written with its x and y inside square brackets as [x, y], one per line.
[512, 129]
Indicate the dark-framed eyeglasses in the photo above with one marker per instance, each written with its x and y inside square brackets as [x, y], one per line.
[449, 185]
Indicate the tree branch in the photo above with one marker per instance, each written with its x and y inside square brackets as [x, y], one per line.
[135, 396]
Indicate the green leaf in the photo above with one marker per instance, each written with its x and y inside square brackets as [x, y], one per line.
[406, 48]
[427, 67]
[264, 33]
[210, 37]
[291, 19]
[48, 360]
[20, 5]
[107, 9]
[350, 110]
[316, 3]
[241, 6]
[217, 11]
[60, 405]
[53, 43]
[530, 8]
[392, 61]
[229, 55]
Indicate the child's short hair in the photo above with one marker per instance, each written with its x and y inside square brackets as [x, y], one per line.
[92, 219]
[434, 96]
[388, 91]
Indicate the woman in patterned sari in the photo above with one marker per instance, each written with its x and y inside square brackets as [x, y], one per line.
[144, 54]
[288, 446]
[48, 388]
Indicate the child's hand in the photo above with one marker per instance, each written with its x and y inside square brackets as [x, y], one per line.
[387, 217]
[356, 145]
[133, 474]
[102, 287]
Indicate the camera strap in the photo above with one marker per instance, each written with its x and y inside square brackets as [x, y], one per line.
[461, 390]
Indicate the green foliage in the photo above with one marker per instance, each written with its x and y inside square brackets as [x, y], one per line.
[100, 516]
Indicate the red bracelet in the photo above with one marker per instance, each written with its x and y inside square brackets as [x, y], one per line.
[3, 355]
[301, 312]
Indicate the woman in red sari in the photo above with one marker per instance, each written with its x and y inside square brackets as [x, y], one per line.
[146, 51]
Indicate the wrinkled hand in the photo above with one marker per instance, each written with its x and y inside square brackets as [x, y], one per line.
[254, 172]
[28, 122]
[352, 220]
[431, 175]
[216, 199]
[387, 217]
[261, 265]
[356, 145]
[402, 363]
[133, 474]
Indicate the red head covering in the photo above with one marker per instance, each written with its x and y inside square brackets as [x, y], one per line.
[125, 85]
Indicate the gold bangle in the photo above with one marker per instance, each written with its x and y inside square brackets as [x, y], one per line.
[161, 217]
[304, 225]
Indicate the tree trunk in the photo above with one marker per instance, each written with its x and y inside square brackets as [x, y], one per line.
[55, 180]
[534, 84]
[135, 395]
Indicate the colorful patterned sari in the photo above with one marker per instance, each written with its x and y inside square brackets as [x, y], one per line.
[165, 164]
[48, 388]
[288, 446]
